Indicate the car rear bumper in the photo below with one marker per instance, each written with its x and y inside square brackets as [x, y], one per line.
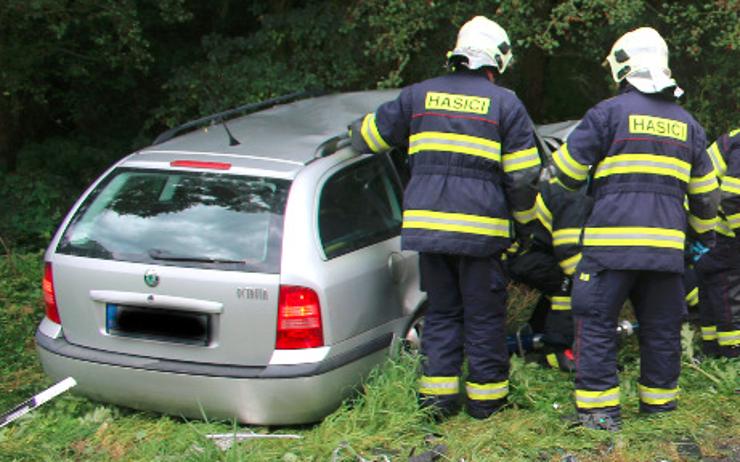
[272, 395]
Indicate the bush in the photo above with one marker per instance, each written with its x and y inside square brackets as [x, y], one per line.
[50, 176]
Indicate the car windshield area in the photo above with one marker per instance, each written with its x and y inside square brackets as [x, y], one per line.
[193, 219]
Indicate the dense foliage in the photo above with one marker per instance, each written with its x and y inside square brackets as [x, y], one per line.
[84, 82]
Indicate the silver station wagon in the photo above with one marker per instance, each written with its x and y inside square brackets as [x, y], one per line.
[248, 270]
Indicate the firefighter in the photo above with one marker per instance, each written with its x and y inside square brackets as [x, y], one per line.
[644, 154]
[719, 270]
[549, 262]
[474, 166]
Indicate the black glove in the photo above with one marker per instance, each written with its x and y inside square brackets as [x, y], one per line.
[355, 133]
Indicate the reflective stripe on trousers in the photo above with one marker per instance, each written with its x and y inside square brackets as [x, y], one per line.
[439, 385]
[487, 391]
[731, 338]
[657, 396]
[589, 399]
[708, 333]
[560, 303]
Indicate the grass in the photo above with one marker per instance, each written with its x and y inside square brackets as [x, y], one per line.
[381, 423]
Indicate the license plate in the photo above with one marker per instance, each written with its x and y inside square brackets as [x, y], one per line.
[157, 324]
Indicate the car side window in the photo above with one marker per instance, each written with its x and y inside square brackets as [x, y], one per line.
[359, 206]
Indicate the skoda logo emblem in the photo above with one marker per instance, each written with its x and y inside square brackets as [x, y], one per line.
[151, 278]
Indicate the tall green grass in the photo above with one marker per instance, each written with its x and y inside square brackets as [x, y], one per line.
[382, 422]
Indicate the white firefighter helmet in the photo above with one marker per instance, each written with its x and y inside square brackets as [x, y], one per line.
[482, 43]
[641, 57]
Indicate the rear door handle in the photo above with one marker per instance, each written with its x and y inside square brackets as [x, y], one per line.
[164, 302]
[397, 267]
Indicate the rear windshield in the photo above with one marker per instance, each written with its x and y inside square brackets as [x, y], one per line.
[204, 220]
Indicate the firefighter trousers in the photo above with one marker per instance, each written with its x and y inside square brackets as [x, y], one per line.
[539, 269]
[465, 318]
[658, 301]
[719, 299]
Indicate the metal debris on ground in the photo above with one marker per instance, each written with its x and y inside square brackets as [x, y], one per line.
[432, 455]
[345, 446]
[37, 400]
[225, 440]
[688, 449]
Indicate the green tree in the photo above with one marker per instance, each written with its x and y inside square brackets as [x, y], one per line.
[103, 76]
[70, 66]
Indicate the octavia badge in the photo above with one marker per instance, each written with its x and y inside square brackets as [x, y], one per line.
[151, 278]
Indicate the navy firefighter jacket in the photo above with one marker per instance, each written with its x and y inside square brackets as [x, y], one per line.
[725, 156]
[562, 214]
[473, 162]
[646, 157]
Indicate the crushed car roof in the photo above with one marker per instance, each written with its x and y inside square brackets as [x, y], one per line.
[287, 134]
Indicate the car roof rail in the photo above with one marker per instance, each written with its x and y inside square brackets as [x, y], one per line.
[332, 145]
[249, 108]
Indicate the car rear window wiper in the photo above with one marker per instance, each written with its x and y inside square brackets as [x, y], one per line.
[158, 254]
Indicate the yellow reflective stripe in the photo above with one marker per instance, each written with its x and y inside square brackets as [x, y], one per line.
[730, 184]
[657, 396]
[733, 220]
[560, 303]
[439, 385]
[708, 333]
[643, 163]
[452, 142]
[725, 227]
[729, 338]
[456, 222]
[568, 165]
[569, 264]
[525, 216]
[634, 236]
[586, 399]
[703, 184]
[487, 391]
[734, 132]
[543, 213]
[552, 360]
[717, 159]
[520, 160]
[701, 225]
[692, 298]
[566, 236]
[371, 135]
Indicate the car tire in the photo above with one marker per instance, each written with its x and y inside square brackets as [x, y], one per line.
[412, 334]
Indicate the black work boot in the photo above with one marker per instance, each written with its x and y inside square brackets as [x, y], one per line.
[483, 409]
[657, 408]
[600, 421]
[710, 349]
[440, 407]
[729, 351]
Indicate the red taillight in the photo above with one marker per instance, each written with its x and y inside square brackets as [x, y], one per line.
[200, 164]
[299, 319]
[47, 285]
